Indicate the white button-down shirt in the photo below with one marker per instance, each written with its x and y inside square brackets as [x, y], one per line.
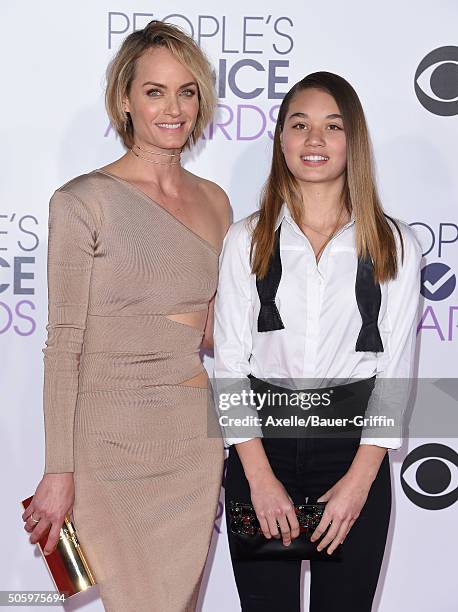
[317, 304]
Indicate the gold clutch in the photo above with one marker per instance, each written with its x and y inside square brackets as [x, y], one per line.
[67, 564]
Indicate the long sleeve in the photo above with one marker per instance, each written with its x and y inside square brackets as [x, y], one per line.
[71, 245]
[233, 322]
[395, 365]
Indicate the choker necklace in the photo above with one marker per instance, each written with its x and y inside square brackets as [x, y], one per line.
[155, 153]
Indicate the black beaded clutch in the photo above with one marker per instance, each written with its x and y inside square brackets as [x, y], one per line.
[249, 543]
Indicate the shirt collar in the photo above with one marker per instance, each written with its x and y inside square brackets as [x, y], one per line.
[286, 214]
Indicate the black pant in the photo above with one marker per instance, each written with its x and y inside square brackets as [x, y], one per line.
[308, 467]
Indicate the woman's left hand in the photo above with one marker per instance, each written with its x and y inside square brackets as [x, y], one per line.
[344, 500]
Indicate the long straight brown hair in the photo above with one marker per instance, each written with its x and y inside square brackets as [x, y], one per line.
[374, 236]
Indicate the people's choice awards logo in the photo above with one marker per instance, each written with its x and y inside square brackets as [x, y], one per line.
[250, 54]
[19, 244]
[436, 81]
[429, 476]
[437, 281]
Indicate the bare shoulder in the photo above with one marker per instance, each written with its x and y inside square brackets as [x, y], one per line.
[217, 197]
[214, 197]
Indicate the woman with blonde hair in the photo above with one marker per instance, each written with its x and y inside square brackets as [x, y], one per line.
[132, 272]
[317, 295]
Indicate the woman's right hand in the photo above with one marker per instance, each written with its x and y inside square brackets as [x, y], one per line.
[53, 499]
[272, 503]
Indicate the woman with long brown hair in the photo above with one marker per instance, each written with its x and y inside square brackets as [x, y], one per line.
[132, 271]
[318, 291]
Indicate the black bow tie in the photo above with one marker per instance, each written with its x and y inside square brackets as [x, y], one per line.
[368, 298]
[269, 318]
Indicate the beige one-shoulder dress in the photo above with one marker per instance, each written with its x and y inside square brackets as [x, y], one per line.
[143, 445]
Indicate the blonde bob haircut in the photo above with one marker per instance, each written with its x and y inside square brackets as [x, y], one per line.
[121, 71]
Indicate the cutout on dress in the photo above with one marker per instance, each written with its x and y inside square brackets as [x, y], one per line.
[195, 319]
[200, 380]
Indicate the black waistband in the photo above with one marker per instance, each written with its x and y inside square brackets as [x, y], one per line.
[360, 387]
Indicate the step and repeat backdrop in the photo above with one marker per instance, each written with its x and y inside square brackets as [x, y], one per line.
[402, 59]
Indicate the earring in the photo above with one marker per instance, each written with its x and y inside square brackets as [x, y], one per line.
[126, 121]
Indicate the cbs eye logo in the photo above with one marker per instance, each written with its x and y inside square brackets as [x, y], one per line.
[429, 476]
[436, 81]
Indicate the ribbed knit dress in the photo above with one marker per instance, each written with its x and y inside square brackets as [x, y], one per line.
[145, 449]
